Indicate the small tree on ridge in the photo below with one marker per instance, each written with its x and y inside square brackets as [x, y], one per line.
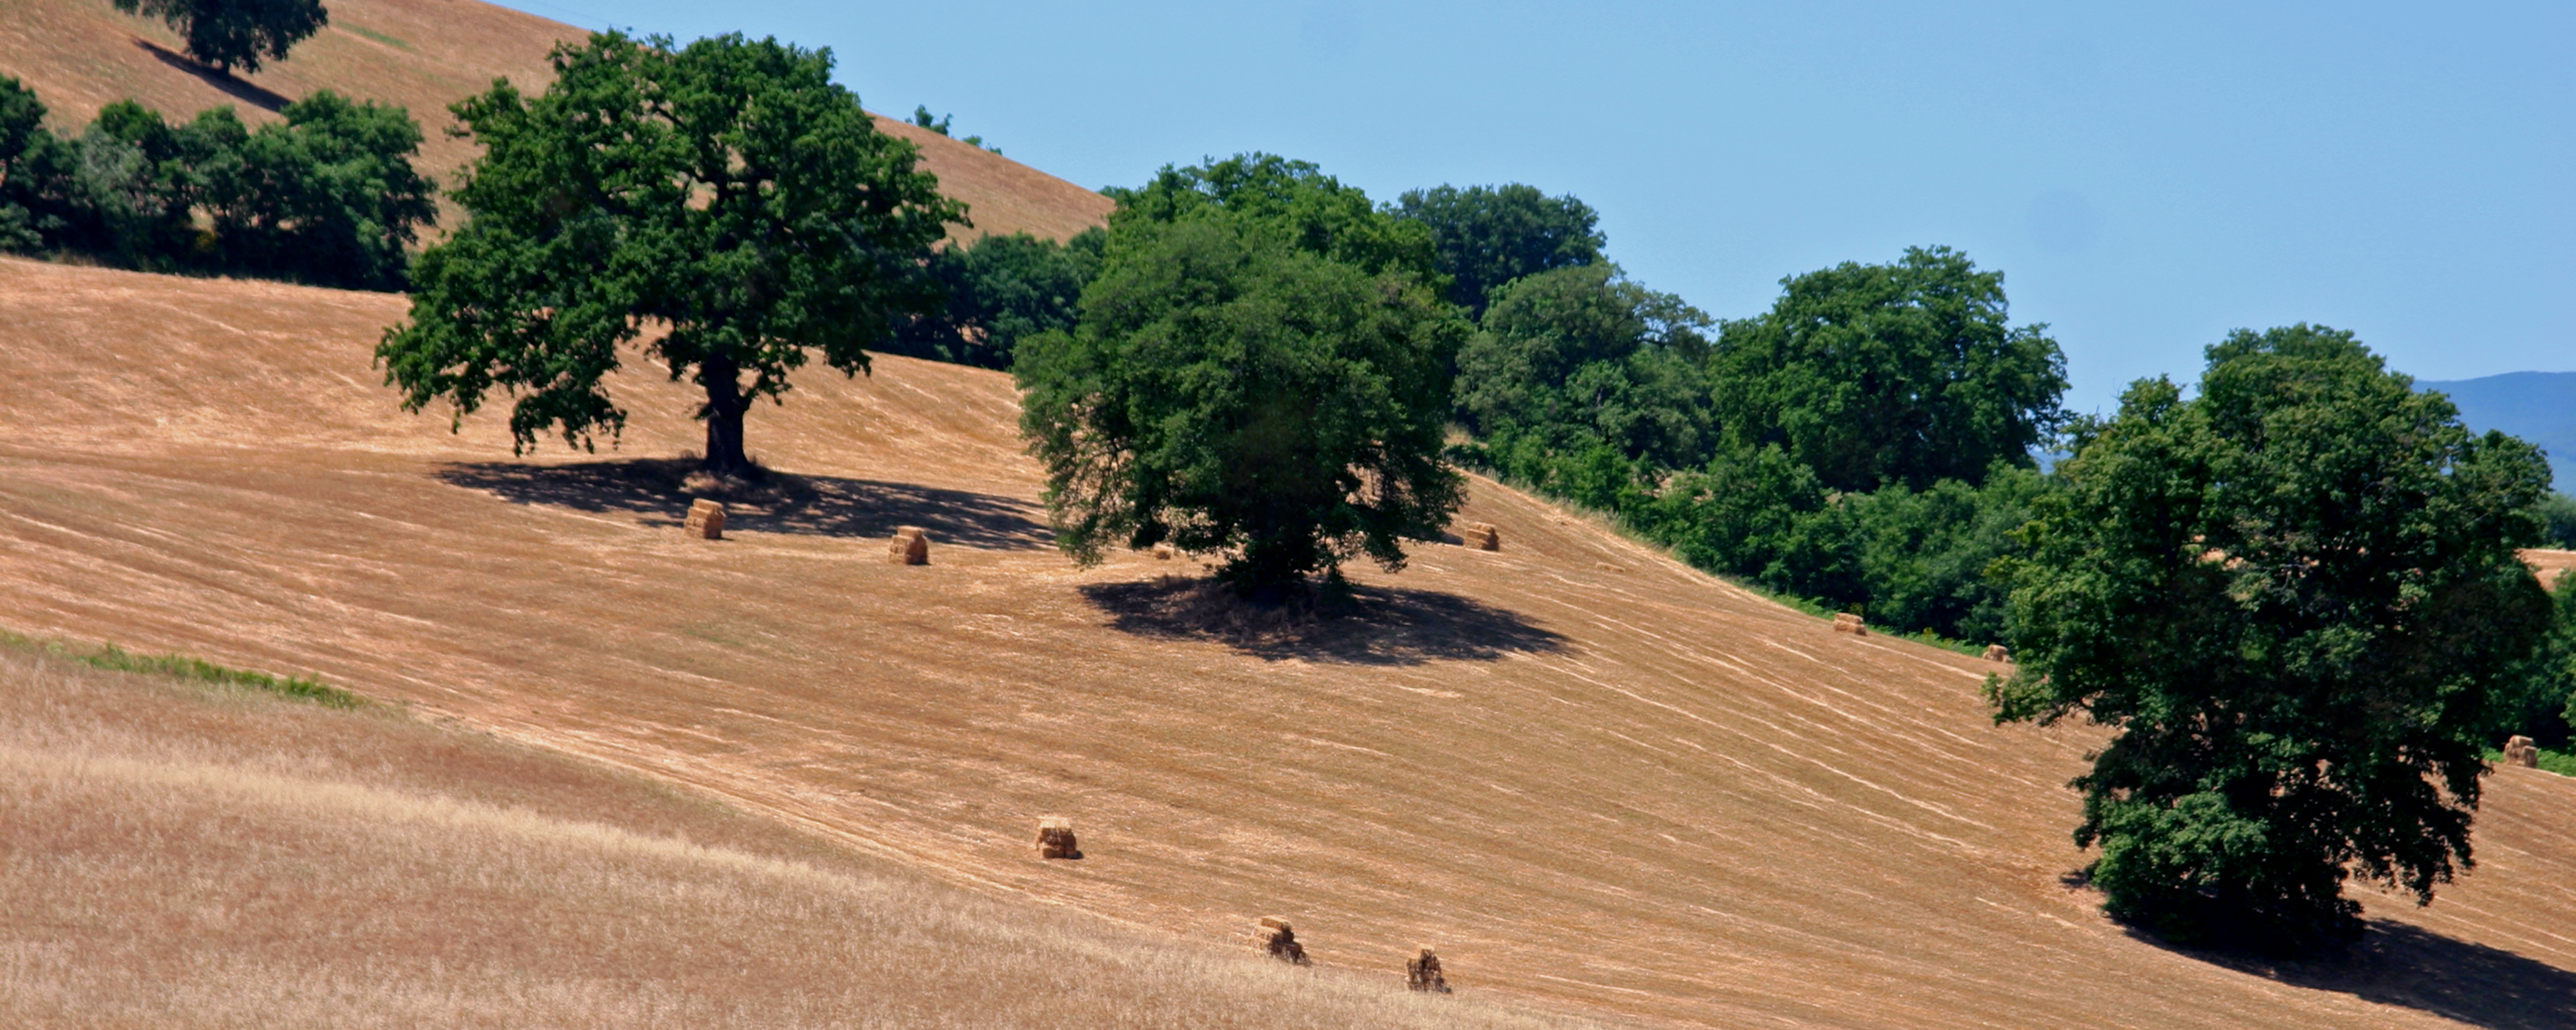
[225, 33]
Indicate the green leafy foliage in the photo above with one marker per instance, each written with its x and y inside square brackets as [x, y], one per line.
[1310, 209]
[1922, 558]
[2544, 705]
[726, 192]
[327, 196]
[1488, 236]
[225, 33]
[1234, 393]
[1589, 387]
[2295, 600]
[1891, 373]
[1000, 290]
[2557, 521]
[22, 127]
[1577, 357]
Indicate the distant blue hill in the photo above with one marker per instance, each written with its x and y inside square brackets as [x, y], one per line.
[2536, 406]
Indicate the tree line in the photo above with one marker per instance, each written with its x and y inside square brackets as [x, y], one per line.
[327, 195]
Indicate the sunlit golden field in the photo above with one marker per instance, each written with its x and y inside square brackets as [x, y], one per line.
[179, 855]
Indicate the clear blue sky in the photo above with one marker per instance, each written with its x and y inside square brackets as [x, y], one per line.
[2148, 176]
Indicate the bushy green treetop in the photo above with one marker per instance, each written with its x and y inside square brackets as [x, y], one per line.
[1905, 372]
[1487, 236]
[1001, 290]
[328, 196]
[1235, 393]
[1311, 210]
[2295, 600]
[1576, 356]
[726, 193]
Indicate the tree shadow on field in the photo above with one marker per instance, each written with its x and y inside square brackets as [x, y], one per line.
[245, 92]
[801, 505]
[2399, 964]
[1375, 626]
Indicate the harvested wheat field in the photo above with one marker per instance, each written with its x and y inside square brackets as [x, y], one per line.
[186, 855]
[1596, 782]
[81, 55]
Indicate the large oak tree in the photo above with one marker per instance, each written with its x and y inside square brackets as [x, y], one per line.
[1234, 392]
[2295, 601]
[1904, 372]
[726, 195]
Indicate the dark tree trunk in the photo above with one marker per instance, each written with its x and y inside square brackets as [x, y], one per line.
[725, 404]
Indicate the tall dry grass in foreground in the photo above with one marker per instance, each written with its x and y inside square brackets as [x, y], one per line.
[181, 855]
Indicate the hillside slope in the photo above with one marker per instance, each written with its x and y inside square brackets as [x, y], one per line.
[275, 864]
[1593, 778]
[80, 55]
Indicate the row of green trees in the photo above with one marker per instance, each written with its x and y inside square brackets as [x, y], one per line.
[327, 195]
[2292, 594]
[2294, 597]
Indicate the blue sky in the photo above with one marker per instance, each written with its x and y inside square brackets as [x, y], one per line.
[2148, 176]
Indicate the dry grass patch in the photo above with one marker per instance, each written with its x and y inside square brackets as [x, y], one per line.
[184, 855]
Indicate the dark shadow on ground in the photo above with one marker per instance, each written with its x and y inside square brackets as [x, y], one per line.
[236, 88]
[803, 505]
[2398, 964]
[1377, 626]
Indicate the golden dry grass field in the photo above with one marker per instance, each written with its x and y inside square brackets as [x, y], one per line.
[182, 855]
[80, 55]
[1599, 782]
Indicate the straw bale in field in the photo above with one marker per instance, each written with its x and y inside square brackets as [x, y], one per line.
[706, 520]
[1280, 942]
[1997, 653]
[1846, 622]
[1482, 536]
[1423, 974]
[910, 546]
[2521, 751]
[1055, 838]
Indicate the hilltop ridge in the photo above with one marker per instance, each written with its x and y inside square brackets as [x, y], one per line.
[80, 55]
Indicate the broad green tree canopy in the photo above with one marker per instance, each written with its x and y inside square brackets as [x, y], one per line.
[1311, 210]
[1905, 372]
[727, 194]
[1579, 356]
[1000, 290]
[1487, 236]
[2295, 600]
[1233, 393]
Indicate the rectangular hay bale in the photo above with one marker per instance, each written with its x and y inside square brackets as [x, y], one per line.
[910, 546]
[706, 520]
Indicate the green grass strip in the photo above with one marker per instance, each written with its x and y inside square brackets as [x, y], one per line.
[2561, 762]
[380, 37]
[110, 656]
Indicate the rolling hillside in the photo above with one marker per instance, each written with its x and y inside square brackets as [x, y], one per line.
[80, 55]
[180, 854]
[1598, 781]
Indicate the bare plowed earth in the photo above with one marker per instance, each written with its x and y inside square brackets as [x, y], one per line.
[1588, 775]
